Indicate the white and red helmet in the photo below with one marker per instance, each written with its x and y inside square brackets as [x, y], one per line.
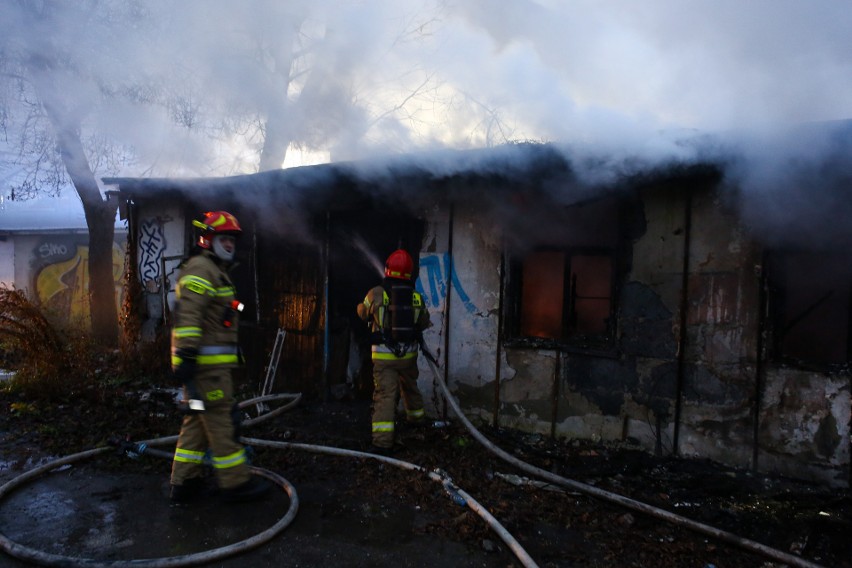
[216, 223]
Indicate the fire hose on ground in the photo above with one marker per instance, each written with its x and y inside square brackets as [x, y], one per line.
[724, 536]
[28, 554]
[139, 448]
[47, 559]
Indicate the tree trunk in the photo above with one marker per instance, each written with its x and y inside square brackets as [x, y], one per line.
[104, 312]
[100, 212]
[279, 121]
[100, 220]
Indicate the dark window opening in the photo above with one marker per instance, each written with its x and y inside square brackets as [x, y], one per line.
[565, 293]
[541, 298]
[810, 306]
[562, 294]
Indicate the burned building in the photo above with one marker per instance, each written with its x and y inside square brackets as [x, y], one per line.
[657, 306]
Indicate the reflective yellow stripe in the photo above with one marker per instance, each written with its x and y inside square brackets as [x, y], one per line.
[187, 331]
[377, 355]
[418, 306]
[382, 426]
[217, 394]
[197, 285]
[415, 413]
[213, 355]
[188, 456]
[225, 291]
[385, 353]
[233, 460]
[209, 360]
[216, 359]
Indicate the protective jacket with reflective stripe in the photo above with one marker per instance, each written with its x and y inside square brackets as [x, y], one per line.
[204, 297]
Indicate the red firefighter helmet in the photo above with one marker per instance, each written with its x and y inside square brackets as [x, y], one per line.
[399, 265]
[216, 223]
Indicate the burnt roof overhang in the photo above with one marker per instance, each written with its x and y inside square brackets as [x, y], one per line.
[542, 174]
[448, 175]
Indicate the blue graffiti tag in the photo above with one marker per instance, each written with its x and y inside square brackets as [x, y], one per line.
[436, 279]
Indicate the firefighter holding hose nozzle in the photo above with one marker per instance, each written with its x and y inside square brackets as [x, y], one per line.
[205, 351]
[397, 318]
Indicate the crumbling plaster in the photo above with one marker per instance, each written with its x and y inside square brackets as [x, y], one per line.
[468, 343]
[474, 301]
[804, 424]
[633, 394]
[719, 376]
[804, 417]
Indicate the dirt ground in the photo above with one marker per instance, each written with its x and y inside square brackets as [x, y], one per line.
[361, 512]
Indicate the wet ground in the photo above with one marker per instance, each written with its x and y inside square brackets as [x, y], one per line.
[360, 512]
[83, 513]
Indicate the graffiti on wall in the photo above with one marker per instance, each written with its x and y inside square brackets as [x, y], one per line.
[60, 275]
[152, 244]
[436, 270]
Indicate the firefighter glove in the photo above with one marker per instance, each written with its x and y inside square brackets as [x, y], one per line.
[185, 371]
[237, 421]
[184, 374]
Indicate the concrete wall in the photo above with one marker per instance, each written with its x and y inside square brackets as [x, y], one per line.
[52, 268]
[161, 246]
[647, 390]
[474, 318]
[697, 399]
[718, 394]
[804, 425]
[7, 262]
[466, 295]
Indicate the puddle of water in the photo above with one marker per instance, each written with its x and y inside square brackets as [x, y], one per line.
[84, 513]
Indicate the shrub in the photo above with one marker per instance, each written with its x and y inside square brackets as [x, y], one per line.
[57, 361]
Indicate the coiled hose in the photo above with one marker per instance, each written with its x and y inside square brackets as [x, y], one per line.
[138, 448]
[47, 559]
[456, 493]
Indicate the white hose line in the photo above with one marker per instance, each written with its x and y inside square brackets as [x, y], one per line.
[293, 397]
[616, 498]
[437, 475]
[47, 559]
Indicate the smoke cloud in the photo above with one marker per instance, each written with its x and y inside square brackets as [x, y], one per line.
[195, 88]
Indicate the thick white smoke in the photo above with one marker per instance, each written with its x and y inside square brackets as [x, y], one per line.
[403, 74]
[615, 82]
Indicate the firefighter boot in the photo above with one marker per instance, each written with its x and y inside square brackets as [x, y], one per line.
[380, 450]
[254, 488]
[190, 491]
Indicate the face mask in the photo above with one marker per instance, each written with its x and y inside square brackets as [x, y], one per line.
[220, 250]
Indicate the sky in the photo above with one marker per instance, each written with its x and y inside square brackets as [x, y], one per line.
[620, 78]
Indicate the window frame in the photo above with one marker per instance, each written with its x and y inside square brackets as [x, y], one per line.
[777, 306]
[603, 344]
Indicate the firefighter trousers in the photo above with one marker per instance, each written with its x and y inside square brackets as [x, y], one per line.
[211, 430]
[393, 379]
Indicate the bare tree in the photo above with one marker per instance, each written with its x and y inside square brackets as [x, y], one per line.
[68, 70]
[51, 143]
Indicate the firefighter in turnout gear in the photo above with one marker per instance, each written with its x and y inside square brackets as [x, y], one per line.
[397, 318]
[204, 353]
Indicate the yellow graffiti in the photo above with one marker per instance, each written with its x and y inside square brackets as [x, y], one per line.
[63, 287]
